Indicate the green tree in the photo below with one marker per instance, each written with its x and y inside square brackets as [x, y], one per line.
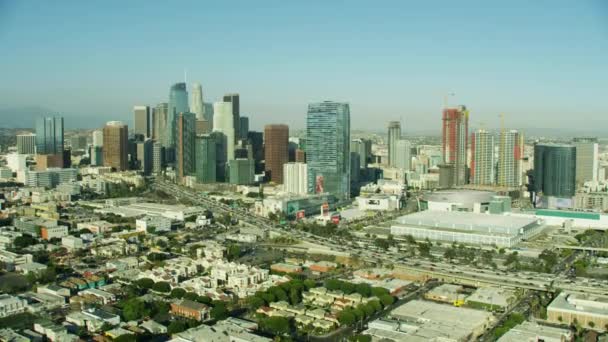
[176, 327]
[333, 284]
[379, 291]
[23, 241]
[190, 296]
[125, 338]
[450, 253]
[387, 300]
[294, 296]
[233, 252]
[363, 289]
[145, 283]
[346, 317]
[255, 302]
[203, 299]
[276, 325]
[511, 259]
[134, 309]
[178, 293]
[219, 311]
[162, 286]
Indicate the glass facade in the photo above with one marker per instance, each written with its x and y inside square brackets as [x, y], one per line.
[205, 159]
[186, 128]
[49, 135]
[328, 148]
[555, 170]
[178, 103]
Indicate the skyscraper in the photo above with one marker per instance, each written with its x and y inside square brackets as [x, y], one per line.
[587, 167]
[295, 180]
[205, 159]
[236, 113]
[555, 170]
[510, 154]
[243, 127]
[363, 149]
[276, 142]
[49, 135]
[197, 105]
[482, 158]
[26, 143]
[241, 171]
[328, 148]
[394, 134]
[97, 137]
[142, 121]
[158, 156]
[221, 155]
[256, 141]
[160, 131]
[223, 122]
[178, 103]
[185, 144]
[455, 140]
[115, 145]
[145, 156]
[403, 154]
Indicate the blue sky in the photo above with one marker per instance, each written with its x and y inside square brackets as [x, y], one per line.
[542, 63]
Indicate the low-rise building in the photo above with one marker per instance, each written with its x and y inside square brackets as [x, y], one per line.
[10, 259]
[447, 293]
[156, 223]
[379, 202]
[96, 227]
[10, 305]
[190, 309]
[322, 266]
[57, 232]
[532, 332]
[286, 268]
[31, 267]
[491, 298]
[220, 332]
[72, 243]
[587, 310]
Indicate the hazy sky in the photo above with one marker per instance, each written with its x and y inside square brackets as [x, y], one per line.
[542, 63]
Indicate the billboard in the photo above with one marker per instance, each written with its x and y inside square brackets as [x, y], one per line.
[319, 186]
[300, 214]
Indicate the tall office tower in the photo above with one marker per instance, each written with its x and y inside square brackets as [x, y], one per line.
[276, 144]
[185, 144]
[97, 138]
[482, 158]
[587, 163]
[159, 131]
[203, 127]
[158, 156]
[510, 155]
[49, 135]
[96, 155]
[206, 166]
[236, 113]
[115, 145]
[223, 122]
[208, 113]
[328, 148]
[78, 142]
[26, 143]
[256, 141]
[455, 140]
[555, 170]
[394, 134]
[300, 156]
[294, 178]
[363, 149]
[355, 167]
[178, 103]
[241, 171]
[141, 115]
[49, 143]
[243, 127]
[403, 154]
[197, 105]
[221, 155]
[145, 156]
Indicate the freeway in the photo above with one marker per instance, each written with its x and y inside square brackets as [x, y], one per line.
[582, 248]
[472, 276]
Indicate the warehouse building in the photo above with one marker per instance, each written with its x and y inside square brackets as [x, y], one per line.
[468, 228]
[588, 310]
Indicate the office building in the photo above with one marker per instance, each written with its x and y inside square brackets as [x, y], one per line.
[243, 127]
[300, 156]
[178, 103]
[96, 154]
[256, 142]
[294, 178]
[203, 127]
[221, 155]
[234, 99]
[403, 154]
[394, 134]
[97, 137]
[328, 148]
[26, 143]
[454, 142]
[141, 116]
[587, 162]
[144, 156]
[482, 158]
[185, 144]
[363, 148]
[78, 142]
[197, 105]
[241, 171]
[115, 145]
[554, 170]
[355, 169]
[158, 157]
[160, 125]
[50, 177]
[49, 135]
[510, 155]
[206, 164]
[276, 142]
[223, 117]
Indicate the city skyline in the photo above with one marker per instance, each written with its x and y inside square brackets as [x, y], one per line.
[537, 70]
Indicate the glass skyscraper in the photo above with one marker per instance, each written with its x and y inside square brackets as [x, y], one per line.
[328, 148]
[178, 103]
[555, 170]
[49, 135]
[185, 144]
[206, 160]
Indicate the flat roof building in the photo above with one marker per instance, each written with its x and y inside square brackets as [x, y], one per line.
[588, 310]
[469, 228]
